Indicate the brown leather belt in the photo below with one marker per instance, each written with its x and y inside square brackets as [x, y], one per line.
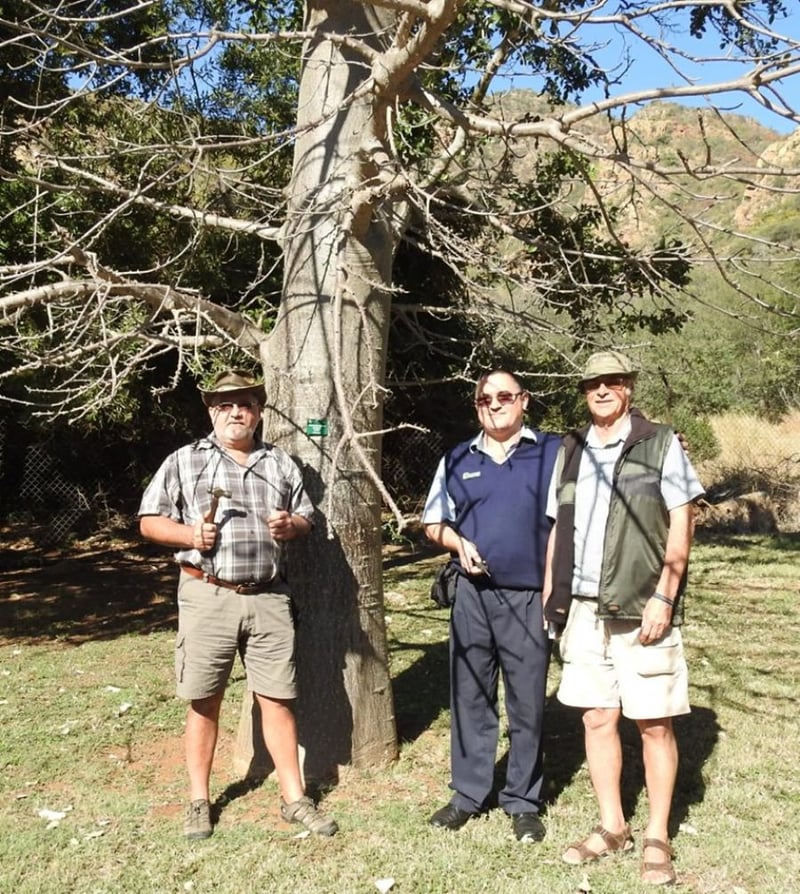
[247, 588]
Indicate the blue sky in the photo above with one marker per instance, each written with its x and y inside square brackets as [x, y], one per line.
[648, 70]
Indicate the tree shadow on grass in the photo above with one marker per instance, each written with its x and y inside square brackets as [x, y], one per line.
[422, 691]
[98, 591]
[697, 734]
[745, 544]
[563, 747]
[235, 790]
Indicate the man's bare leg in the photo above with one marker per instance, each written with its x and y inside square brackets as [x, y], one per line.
[660, 757]
[279, 728]
[604, 758]
[200, 740]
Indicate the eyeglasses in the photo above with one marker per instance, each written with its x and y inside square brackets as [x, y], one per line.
[504, 398]
[227, 406]
[614, 383]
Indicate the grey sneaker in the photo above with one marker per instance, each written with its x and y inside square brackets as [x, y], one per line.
[198, 820]
[305, 813]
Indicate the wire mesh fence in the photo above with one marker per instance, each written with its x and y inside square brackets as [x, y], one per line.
[753, 482]
[42, 493]
[409, 461]
[754, 486]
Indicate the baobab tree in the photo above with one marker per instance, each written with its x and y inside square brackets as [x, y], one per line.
[197, 183]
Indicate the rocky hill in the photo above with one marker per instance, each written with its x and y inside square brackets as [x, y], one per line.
[680, 136]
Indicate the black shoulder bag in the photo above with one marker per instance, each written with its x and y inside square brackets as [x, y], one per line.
[443, 588]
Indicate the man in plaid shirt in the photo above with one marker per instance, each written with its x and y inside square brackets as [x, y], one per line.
[227, 503]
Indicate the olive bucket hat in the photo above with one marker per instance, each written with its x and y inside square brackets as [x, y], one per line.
[231, 381]
[607, 363]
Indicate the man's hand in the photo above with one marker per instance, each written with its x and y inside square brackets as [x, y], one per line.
[285, 526]
[470, 558]
[656, 621]
[204, 535]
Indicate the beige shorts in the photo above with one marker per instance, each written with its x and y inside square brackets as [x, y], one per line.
[605, 666]
[215, 623]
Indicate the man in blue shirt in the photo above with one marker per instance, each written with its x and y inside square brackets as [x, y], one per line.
[487, 507]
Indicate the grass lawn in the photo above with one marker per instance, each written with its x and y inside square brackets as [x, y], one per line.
[92, 787]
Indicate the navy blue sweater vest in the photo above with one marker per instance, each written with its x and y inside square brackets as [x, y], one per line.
[501, 508]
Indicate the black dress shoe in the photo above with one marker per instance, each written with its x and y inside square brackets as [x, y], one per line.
[450, 817]
[527, 826]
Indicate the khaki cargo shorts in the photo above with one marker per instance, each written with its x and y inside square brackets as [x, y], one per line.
[605, 666]
[214, 624]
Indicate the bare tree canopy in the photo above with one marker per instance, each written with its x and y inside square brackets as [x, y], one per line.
[189, 184]
[147, 122]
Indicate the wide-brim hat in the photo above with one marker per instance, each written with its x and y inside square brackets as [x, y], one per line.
[607, 363]
[232, 381]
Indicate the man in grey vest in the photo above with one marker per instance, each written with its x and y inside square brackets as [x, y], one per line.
[622, 501]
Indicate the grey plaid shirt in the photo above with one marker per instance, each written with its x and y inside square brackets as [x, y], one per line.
[244, 550]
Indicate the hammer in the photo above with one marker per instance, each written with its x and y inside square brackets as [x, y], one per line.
[216, 493]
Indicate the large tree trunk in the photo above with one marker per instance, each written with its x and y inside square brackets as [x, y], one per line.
[332, 328]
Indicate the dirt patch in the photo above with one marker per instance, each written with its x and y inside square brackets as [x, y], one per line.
[754, 513]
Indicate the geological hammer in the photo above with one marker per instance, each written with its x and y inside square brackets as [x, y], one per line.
[216, 493]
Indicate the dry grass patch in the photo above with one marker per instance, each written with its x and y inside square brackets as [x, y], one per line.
[752, 442]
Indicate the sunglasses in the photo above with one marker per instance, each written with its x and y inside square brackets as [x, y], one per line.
[614, 383]
[504, 398]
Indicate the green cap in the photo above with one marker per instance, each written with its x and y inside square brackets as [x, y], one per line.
[607, 363]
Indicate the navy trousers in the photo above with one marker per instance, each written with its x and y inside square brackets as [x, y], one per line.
[495, 631]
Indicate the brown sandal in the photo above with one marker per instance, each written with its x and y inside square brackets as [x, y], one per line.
[622, 841]
[665, 868]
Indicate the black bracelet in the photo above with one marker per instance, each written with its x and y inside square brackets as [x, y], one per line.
[662, 598]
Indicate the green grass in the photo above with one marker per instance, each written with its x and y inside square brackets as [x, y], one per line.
[93, 730]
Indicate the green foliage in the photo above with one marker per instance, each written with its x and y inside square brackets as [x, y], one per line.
[141, 242]
[45, 47]
[431, 346]
[724, 21]
[604, 287]
[471, 44]
[258, 81]
[594, 279]
[781, 223]
[596, 287]
[703, 443]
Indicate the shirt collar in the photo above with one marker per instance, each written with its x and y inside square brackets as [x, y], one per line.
[525, 434]
[211, 441]
[592, 439]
